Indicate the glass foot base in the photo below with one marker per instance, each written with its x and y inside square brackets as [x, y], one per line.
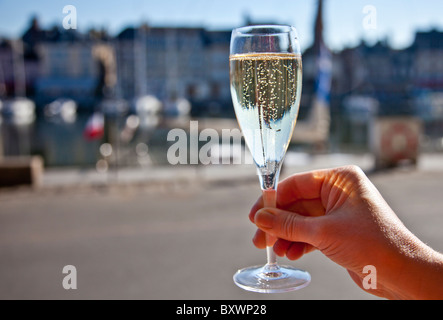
[273, 279]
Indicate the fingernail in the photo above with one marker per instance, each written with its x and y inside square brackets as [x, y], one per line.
[264, 219]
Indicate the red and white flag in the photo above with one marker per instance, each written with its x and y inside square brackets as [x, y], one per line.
[95, 127]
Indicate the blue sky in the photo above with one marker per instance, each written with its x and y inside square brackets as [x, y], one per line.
[397, 20]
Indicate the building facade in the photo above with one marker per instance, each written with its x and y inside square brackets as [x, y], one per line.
[193, 63]
[172, 63]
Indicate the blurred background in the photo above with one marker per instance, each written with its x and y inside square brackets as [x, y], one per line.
[90, 90]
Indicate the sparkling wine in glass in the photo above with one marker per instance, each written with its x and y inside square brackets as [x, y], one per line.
[266, 82]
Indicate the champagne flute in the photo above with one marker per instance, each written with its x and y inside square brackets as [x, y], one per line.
[266, 83]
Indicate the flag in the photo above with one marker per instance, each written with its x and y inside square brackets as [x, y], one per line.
[95, 127]
[315, 128]
[324, 75]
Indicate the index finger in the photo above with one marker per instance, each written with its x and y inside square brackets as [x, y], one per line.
[299, 189]
[300, 186]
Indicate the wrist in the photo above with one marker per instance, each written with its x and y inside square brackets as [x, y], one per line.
[419, 273]
[429, 273]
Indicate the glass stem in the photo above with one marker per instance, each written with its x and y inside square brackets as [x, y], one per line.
[269, 176]
[270, 201]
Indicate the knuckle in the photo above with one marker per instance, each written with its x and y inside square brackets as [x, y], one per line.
[353, 170]
[289, 227]
[321, 231]
[298, 228]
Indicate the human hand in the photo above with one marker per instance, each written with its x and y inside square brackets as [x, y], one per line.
[341, 213]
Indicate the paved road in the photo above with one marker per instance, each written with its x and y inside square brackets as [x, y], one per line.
[181, 240]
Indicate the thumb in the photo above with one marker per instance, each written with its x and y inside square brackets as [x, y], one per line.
[287, 225]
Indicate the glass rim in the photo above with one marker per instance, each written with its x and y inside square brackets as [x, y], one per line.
[278, 29]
